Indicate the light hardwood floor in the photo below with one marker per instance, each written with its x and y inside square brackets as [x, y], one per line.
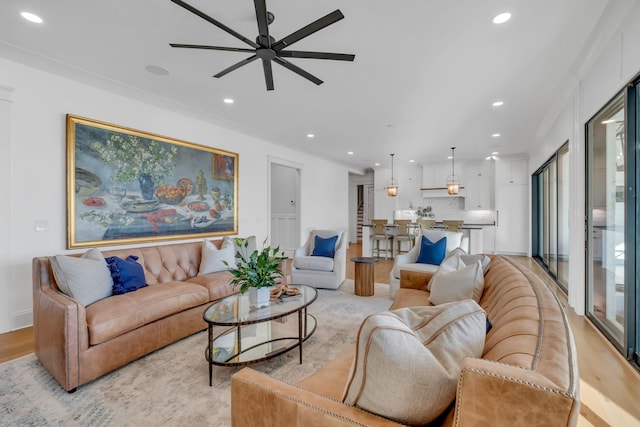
[609, 386]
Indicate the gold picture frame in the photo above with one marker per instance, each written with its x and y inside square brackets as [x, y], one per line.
[128, 186]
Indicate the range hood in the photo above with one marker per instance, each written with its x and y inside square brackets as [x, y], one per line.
[432, 192]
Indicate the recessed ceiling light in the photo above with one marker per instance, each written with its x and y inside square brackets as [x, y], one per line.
[494, 153]
[157, 70]
[412, 161]
[502, 18]
[377, 164]
[310, 135]
[496, 135]
[498, 103]
[228, 101]
[350, 153]
[449, 157]
[31, 17]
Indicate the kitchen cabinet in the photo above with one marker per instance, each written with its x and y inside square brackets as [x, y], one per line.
[512, 206]
[434, 175]
[488, 239]
[479, 183]
[512, 171]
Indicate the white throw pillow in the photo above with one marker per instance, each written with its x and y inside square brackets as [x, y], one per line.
[470, 259]
[212, 257]
[408, 360]
[453, 260]
[457, 285]
[86, 279]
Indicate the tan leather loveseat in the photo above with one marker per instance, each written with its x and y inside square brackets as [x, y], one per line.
[78, 344]
[527, 376]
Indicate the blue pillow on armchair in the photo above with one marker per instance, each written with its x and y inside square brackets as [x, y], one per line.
[432, 253]
[127, 274]
[324, 247]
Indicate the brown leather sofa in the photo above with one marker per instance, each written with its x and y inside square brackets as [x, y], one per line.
[78, 344]
[527, 376]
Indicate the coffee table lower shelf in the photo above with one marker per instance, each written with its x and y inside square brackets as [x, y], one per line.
[246, 344]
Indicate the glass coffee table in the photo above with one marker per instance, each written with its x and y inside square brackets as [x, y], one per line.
[258, 334]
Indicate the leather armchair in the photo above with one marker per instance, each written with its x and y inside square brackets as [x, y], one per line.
[318, 271]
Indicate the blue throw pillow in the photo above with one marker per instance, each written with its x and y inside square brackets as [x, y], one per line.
[324, 247]
[127, 274]
[432, 253]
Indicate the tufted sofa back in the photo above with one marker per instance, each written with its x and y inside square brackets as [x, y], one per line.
[166, 263]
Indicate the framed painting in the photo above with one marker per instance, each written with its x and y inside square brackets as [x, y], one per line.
[128, 186]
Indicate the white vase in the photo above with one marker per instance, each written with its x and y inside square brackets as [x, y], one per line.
[259, 297]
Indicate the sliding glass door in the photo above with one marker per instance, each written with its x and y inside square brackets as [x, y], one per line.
[550, 192]
[606, 225]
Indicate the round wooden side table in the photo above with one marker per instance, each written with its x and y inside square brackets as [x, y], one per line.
[364, 275]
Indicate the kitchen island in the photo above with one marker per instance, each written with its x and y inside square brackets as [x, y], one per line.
[473, 231]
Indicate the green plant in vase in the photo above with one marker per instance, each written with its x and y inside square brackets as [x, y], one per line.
[256, 272]
[425, 212]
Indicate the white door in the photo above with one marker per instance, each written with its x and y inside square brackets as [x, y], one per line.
[512, 219]
[285, 208]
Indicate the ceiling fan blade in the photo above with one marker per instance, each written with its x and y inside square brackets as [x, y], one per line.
[214, 22]
[268, 73]
[315, 55]
[298, 70]
[199, 46]
[263, 26]
[236, 66]
[303, 32]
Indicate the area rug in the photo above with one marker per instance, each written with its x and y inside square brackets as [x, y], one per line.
[171, 385]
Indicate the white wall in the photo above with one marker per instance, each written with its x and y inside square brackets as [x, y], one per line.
[598, 78]
[35, 189]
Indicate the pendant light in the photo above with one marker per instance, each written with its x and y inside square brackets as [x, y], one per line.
[392, 188]
[453, 182]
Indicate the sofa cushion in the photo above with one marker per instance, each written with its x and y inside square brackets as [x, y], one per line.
[459, 258]
[325, 247]
[432, 252]
[217, 284]
[114, 316]
[408, 360]
[317, 263]
[323, 234]
[213, 259]
[86, 278]
[127, 274]
[454, 238]
[457, 285]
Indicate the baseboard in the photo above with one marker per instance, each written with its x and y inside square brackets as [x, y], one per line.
[21, 319]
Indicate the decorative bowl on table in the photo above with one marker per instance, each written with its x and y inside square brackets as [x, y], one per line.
[170, 194]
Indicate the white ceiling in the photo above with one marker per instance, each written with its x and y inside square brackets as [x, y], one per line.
[424, 78]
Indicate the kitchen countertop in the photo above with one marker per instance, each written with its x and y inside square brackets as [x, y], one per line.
[467, 226]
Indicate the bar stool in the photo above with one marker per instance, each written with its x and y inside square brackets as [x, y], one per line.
[425, 224]
[380, 234]
[452, 225]
[402, 234]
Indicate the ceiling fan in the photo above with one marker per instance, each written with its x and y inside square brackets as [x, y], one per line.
[266, 47]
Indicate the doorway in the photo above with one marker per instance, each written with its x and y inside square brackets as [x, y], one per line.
[284, 205]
